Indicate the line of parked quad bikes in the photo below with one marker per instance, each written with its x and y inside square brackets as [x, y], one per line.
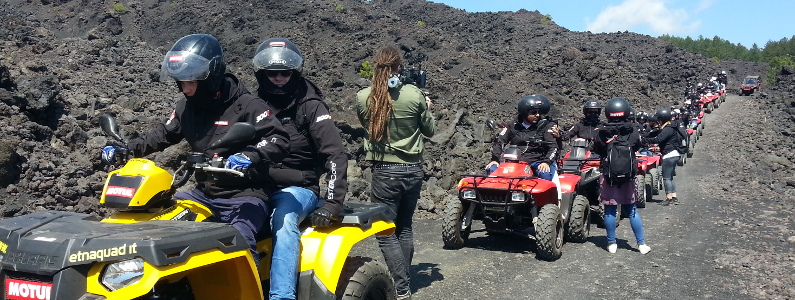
[516, 200]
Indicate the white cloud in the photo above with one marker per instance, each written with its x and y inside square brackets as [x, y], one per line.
[655, 14]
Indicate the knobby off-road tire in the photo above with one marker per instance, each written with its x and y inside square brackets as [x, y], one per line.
[549, 233]
[640, 194]
[363, 278]
[579, 220]
[653, 181]
[648, 185]
[454, 235]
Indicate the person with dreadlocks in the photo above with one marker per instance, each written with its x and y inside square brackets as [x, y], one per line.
[396, 117]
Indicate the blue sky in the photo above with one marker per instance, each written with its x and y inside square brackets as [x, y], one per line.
[745, 22]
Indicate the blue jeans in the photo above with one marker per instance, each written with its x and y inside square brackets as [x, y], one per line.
[399, 188]
[290, 206]
[634, 222]
[553, 167]
[668, 171]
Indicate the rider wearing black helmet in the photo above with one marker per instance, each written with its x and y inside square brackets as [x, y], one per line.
[667, 139]
[531, 131]
[618, 129]
[315, 147]
[586, 128]
[213, 101]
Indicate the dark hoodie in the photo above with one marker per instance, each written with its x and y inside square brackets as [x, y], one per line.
[315, 145]
[202, 123]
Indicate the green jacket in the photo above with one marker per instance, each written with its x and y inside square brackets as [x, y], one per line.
[409, 121]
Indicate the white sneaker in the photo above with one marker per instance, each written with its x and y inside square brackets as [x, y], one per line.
[644, 249]
[612, 248]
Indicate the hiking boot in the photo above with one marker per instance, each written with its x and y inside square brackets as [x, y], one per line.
[612, 248]
[644, 249]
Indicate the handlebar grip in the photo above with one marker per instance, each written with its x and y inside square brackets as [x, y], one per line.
[223, 170]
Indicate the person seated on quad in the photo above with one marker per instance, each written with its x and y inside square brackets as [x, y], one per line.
[532, 135]
[614, 192]
[315, 148]
[643, 128]
[586, 127]
[213, 100]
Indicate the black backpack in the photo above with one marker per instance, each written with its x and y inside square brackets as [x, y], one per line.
[682, 145]
[619, 165]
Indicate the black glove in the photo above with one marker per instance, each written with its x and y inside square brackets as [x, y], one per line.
[321, 217]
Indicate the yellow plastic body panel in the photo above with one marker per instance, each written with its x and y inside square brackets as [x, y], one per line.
[325, 250]
[155, 180]
[212, 275]
[182, 206]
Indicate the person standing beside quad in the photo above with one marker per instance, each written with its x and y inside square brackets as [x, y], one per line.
[315, 147]
[617, 142]
[215, 100]
[530, 131]
[667, 138]
[396, 117]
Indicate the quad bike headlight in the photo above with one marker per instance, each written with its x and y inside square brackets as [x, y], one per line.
[517, 197]
[468, 194]
[124, 273]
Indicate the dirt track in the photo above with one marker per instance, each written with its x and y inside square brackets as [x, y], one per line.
[686, 242]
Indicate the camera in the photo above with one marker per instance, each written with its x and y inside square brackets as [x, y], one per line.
[415, 76]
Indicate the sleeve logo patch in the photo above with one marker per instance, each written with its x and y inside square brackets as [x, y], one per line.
[222, 123]
[323, 117]
[171, 117]
[263, 115]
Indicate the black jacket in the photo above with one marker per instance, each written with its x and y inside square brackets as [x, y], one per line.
[609, 130]
[583, 129]
[201, 127]
[666, 138]
[545, 152]
[315, 147]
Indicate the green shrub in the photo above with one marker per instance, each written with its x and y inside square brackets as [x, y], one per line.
[546, 19]
[420, 23]
[775, 66]
[339, 8]
[716, 59]
[119, 8]
[173, 3]
[366, 70]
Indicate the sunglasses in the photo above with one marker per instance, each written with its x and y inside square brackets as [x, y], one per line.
[533, 112]
[282, 73]
[592, 112]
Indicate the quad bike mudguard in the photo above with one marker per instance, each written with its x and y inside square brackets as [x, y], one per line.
[67, 254]
[325, 250]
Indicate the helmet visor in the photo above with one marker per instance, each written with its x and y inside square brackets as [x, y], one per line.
[278, 58]
[184, 66]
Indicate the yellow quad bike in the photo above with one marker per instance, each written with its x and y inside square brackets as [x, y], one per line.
[154, 247]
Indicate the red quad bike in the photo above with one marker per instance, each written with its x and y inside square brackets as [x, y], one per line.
[646, 178]
[579, 161]
[707, 101]
[657, 181]
[512, 199]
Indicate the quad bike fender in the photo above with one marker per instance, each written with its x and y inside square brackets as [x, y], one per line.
[183, 210]
[568, 183]
[544, 192]
[324, 251]
[212, 274]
